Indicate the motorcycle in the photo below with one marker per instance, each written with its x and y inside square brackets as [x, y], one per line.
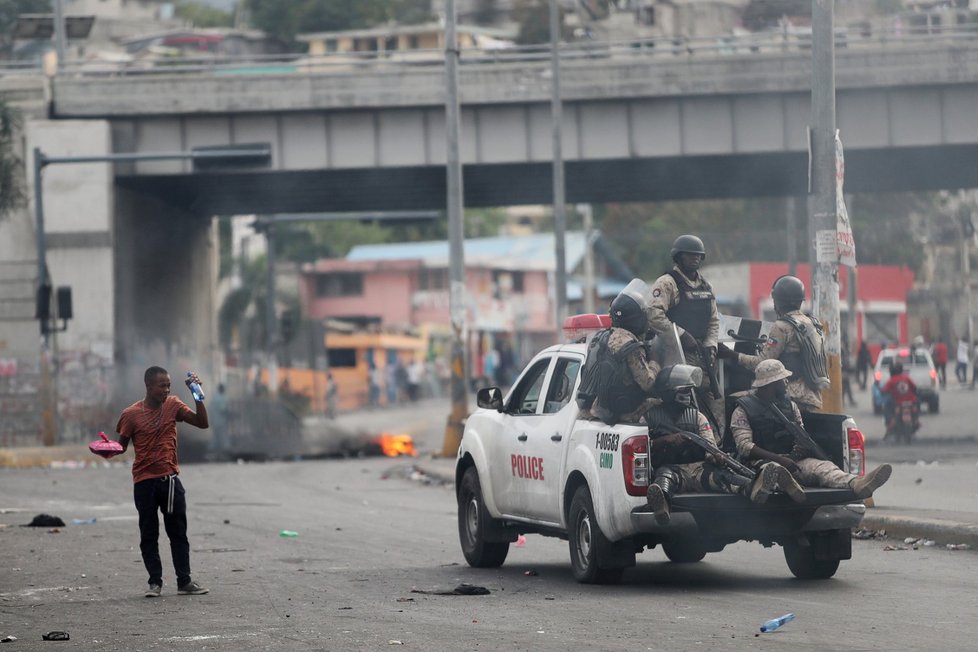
[903, 422]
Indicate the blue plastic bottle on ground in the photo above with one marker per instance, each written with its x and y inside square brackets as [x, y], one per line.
[774, 623]
[195, 389]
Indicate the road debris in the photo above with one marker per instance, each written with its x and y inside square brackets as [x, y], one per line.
[288, 534]
[394, 641]
[10, 638]
[958, 546]
[865, 533]
[776, 623]
[45, 520]
[531, 573]
[83, 521]
[888, 547]
[461, 589]
[520, 541]
[56, 636]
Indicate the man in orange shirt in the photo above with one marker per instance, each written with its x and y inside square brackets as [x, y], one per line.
[151, 426]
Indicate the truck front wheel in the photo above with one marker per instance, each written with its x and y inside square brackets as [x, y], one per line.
[473, 520]
[585, 539]
[803, 564]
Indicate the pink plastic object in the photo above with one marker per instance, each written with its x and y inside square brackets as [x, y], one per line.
[105, 447]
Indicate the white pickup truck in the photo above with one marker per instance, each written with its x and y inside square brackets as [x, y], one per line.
[528, 464]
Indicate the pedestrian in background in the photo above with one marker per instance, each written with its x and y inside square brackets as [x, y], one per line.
[331, 394]
[939, 354]
[864, 360]
[151, 426]
[961, 368]
[974, 368]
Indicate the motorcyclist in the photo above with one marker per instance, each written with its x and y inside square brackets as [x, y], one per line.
[898, 389]
[796, 340]
[683, 298]
[680, 465]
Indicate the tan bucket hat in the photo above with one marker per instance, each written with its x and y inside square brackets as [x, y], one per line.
[769, 371]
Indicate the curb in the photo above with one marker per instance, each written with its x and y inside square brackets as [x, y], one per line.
[939, 530]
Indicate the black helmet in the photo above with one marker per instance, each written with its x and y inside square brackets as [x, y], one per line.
[675, 378]
[687, 244]
[788, 292]
[628, 314]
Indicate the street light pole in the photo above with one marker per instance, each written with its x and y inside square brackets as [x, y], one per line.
[560, 209]
[456, 235]
[823, 216]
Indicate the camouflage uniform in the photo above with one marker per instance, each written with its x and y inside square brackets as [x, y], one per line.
[641, 372]
[812, 472]
[693, 476]
[783, 342]
[666, 295]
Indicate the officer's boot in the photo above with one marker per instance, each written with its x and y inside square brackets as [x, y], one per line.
[660, 491]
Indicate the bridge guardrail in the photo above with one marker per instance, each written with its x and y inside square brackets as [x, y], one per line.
[720, 46]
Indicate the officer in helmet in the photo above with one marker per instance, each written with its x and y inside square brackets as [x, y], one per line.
[683, 298]
[681, 466]
[796, 340]
[624, 394]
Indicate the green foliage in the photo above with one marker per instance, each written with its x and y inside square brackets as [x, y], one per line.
[12, 193]
[200, 15]
[286, 18]
[755, 230]
[10, 9]
[533, 17]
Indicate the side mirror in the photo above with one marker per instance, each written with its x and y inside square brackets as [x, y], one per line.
[490, 398]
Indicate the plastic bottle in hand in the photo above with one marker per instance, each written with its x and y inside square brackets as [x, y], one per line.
[775, 623]
[195, 389]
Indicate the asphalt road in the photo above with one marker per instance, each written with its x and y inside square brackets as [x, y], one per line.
[366, 544]
[954, 420]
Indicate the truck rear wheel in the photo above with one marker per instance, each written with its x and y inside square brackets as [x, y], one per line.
[684, 551]
[585, 539]
[803, 564]
[473, 520]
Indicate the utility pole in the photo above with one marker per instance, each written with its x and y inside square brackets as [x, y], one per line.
[271, 323]
[560, 208]
[456, 238]
[59, 32]
[588, 215]
[823, 204]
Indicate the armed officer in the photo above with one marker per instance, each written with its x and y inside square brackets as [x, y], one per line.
[617, 380]
[681, 466]
[762, 436]
[797, 341]
[682, 297]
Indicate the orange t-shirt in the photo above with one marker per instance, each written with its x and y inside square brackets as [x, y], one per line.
[154, 436]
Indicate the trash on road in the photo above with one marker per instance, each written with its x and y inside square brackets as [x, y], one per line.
[394, 641]
[288, 534]
[866, 533]
[461, 589]
[958, 546]
[56, 636]
[83, 521]
[54, 530]
[928, 542]
[45, 520]
[911, 540]
[8, 639]
[889, 548]
[531, 573]
[520, 541]
[776, 623]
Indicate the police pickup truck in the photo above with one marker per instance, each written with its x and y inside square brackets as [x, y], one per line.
[528, 464]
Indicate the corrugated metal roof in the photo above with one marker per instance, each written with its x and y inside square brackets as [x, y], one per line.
[534, 251]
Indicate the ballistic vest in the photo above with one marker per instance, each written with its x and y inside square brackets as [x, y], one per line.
[693, 310]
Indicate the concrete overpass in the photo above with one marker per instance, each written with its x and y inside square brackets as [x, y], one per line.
[636, 128]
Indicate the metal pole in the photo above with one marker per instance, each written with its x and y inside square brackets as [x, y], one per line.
[588, 214]
[49, 395]
[825, 271]
[59, 32]
[791, 233]
[966, 273]
[271, 324]
[560, 210]
[456, 235]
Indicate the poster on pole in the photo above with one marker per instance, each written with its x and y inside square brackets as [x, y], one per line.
[844, 238]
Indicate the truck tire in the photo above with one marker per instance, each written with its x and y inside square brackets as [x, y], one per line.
[803, 565]
[473, 520]
[684, 551]
[585, 538]
[934, 405]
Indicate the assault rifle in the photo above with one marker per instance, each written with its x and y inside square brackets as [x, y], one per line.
[725, 458]
[801, 437]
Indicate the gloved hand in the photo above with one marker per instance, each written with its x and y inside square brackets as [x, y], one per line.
[711, 356]
[725, 352]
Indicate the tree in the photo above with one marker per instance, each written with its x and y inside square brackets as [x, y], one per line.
[10, 9]
[11, 167]
[286, 18]
[533, 17]
[200, 15]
